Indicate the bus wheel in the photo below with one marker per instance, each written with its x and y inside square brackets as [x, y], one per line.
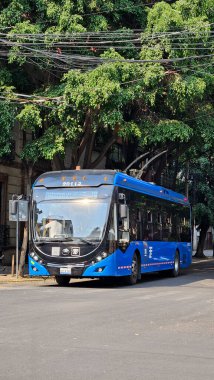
[176, 270]
[132, 279]
[62, 280]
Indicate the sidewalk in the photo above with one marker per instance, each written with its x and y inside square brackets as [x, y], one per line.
[208, 253]
[6, 277]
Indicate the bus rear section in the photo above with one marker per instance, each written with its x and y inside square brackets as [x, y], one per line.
[94, 224]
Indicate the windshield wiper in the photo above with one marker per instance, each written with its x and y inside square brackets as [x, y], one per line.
[89, 242]
[49, 240]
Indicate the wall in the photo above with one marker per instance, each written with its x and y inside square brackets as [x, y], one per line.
[12, 182]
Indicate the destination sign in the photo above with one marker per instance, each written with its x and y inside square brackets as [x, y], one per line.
[70, 194]
[41, 194]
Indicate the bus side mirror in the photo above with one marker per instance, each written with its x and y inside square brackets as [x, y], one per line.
[122, 197]
[123, 211]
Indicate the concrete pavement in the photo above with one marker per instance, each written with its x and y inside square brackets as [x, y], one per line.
[160, 329]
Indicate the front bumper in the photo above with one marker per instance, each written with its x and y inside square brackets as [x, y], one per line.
[37, 269]
[115, 265]
[105, 267]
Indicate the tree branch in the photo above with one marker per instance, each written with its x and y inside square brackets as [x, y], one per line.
[111, 141]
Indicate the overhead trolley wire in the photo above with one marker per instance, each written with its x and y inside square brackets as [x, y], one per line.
[68, 52]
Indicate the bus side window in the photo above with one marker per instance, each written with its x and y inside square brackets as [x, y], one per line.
[149, 228]
[133, 221]
[166, 226]
[185, 227]
[139, 225]
[157, 226]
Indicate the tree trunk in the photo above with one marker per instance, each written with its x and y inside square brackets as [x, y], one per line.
[23, 251]
[187, 180]
[175, 173]
[88, 151]
[86, 134]
[105, 149]
[200, 248]
[29, 170]
[159, 169]
[57, 163]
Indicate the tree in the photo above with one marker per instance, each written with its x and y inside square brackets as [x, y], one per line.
[89, 77]
[202, 193]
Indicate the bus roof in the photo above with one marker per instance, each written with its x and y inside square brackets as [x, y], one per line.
[88, 177]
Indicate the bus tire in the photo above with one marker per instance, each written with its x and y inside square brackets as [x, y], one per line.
[132, 279]
[176, 270]
[62, 280]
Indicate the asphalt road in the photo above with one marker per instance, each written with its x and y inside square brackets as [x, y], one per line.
[162, 328]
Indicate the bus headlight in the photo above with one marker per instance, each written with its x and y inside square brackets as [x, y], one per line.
[103, 255]
[35, 257]
[99, 258]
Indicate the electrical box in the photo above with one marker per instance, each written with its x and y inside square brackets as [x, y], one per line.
[18, 210]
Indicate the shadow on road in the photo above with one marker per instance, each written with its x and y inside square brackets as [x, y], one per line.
[199, 270]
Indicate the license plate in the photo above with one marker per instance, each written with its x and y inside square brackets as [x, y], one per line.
[65, 270]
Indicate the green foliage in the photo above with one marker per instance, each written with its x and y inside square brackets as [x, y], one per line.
[157, 104]
[5, 77]
[30, 118]
[20, 28]
[202, 172]
[51, 143]
[15, 12]
[202, 212]
[165, 132]
[104, 92]
[204, 125]
[162, 17]
[183, 16]
[184, 92]
[7, 116]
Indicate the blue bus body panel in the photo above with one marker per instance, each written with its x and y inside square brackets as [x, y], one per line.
[143, 187]
[107, 265]
[36, 269]
[155, 256]
[160, 255]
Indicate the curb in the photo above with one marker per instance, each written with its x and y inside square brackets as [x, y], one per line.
[6, 279]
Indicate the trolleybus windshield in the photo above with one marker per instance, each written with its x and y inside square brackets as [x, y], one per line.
[71, 214]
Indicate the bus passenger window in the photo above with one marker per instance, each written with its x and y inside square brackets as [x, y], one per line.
[166, 227]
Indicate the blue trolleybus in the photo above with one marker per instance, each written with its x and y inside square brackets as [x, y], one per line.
[103, 223]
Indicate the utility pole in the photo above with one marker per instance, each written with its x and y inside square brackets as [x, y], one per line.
[18, 212]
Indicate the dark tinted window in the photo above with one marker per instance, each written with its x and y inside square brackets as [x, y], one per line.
[156, 219]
